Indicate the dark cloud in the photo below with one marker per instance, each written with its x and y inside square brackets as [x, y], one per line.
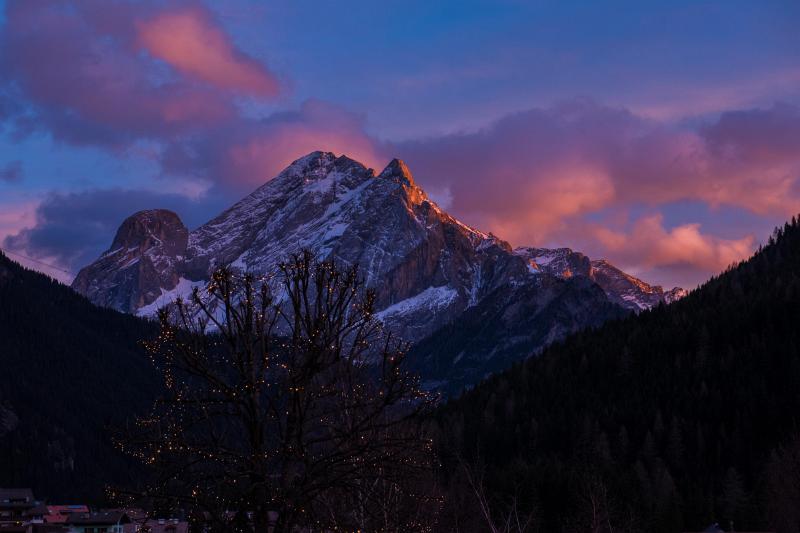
[12, 172]
[74, 229]
[756, 135]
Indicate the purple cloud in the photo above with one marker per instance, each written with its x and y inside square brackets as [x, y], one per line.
[72, 230]
[12, 172]
[109, 73]
[537, 177]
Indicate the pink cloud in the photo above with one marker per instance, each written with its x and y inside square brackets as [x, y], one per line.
[80, 65]
[83, 68]
[756, 136]
[537, 177]
[578, 157]
[648, 244]
[15, 219]
[542, 207]
[248, 153]
[16, 215]
[190, 40]
[316, 126]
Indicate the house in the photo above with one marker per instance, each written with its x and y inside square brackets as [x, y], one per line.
[13, 505]
[35, 528]
[715, 528]
[162, 525]
[58, 514]
[97, 522]
[140, 522]
[35, 515]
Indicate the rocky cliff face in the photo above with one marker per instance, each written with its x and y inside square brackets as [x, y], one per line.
[145, 259]
[429, 270]
[628, 291]
[621, 288]
[407, 248]
[511, 323]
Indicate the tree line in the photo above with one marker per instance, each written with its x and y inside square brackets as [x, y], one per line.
[671, 420]
[284, 405]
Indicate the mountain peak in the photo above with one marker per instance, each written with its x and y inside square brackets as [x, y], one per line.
[398, 169]
[150, 227]
[310, 162]
[140, 263]
[312, 157]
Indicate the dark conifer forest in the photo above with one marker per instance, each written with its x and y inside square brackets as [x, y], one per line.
[71, 374]
[671, 420]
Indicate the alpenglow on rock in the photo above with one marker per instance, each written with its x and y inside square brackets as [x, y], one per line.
[621, 288]
[427, 268]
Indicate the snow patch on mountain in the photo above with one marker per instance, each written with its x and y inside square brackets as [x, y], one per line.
[431, 299]
[182, 290]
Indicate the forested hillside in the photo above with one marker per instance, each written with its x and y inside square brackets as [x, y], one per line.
[667, 421]
[69, 371]
[671, 420]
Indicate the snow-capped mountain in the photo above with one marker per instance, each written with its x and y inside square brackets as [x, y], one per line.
[427, 268]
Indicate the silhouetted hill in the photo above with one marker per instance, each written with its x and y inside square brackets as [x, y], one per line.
[68, 369]
[667, 420]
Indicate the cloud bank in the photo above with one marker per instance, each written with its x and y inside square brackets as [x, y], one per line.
[540, 175]
[112, 75]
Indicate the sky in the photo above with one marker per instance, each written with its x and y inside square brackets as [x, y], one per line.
[662, 136]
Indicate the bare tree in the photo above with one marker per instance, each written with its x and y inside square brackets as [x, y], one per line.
[596, 510]
[287, 406]
[470, 506]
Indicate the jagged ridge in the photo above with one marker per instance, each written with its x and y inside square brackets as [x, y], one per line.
[620, 287]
